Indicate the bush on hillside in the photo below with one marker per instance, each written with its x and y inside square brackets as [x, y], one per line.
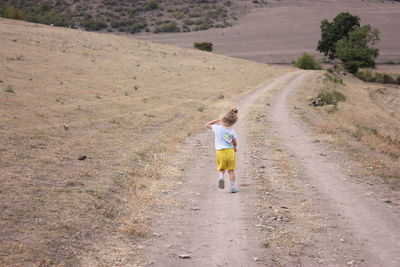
[131, 26]
[205, 46]
[12, 12]
[333, 77]
[369, 76]
[331, 97]
[167, 27]
[50, 17]
[94, 24]
[151, 4]
[307, 62]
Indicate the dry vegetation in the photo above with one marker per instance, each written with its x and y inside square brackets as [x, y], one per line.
[366, 124]
[124, 104]
[130, 16]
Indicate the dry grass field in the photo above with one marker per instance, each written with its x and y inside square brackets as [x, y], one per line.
[366, 125]
[282, 30]
[121, 105]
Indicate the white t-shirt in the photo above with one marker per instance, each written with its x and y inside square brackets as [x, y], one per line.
[223, 136]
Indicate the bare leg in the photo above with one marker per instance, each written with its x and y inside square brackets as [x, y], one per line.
[232, 176]
[221, 172]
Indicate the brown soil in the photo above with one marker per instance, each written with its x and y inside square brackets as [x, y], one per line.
[281, 31]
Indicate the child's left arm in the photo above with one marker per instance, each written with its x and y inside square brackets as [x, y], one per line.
[234, 142]
[211, 123]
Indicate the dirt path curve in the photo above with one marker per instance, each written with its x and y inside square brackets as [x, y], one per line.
[375, 225]
[213, 226]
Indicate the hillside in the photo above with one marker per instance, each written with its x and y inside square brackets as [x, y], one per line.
[130, 16]
[89, 123]
[365, 125]
[282, 30]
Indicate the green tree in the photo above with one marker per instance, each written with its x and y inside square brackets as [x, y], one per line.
[331, 32]
[356, 51]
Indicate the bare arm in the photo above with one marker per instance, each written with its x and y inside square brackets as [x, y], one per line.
[234, 142]
[211, 123]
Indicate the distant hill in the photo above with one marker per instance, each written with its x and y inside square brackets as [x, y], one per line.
[130, 15]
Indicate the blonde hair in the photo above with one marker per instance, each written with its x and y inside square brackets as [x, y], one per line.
[230, 118]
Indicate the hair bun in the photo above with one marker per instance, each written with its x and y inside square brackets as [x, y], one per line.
[234, 110]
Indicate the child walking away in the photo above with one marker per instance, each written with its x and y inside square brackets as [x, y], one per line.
[225, 146]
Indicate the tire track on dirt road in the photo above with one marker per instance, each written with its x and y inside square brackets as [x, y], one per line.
[213, 226]
[375, 225]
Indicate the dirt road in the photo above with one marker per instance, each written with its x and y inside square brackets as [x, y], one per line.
[213, 227]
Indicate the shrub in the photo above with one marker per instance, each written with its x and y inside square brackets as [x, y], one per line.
[128, 25]
[307, 62]
[168, 27]
[334, 78]
[151, 4]
[351, 66]
[12, 12]
[331, 97]
[205, 46]
[9, 89]
[398, 79]
[94, 24]
[369, 76]
[365, 75]
[388, 79]
[136, 27]
[50, 17]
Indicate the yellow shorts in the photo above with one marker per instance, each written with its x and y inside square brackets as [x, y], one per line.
[226, 159]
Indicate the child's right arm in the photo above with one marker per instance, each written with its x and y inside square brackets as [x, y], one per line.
[211, 123]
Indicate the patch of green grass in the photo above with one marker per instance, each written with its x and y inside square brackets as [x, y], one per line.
[266, 245]
[201, 109]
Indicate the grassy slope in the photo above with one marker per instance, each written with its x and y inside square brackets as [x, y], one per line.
[366, 125]
[128, 105]
[133, 15]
